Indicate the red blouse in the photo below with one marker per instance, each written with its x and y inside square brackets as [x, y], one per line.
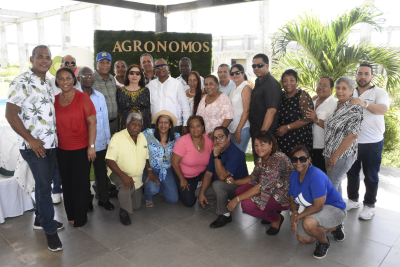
[72, 129]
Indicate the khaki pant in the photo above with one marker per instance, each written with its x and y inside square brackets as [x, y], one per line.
[129, 200]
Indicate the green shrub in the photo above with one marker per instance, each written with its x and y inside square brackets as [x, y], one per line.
[392, 132]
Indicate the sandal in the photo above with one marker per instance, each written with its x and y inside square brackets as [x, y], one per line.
[149, 204]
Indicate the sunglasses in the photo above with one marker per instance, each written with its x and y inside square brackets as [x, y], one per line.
[66, 63]
[137, 73]
[164, 66]
[302, 159]
[259, 65]
[235, 72]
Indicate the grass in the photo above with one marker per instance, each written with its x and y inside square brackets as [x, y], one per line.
[250, 162]
[11, 71]
[391, 157]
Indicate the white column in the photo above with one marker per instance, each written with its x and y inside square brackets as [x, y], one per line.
[65, 30]
[4, 50]
[40, 26]
[190, 20]
[21, 47]
[264, 39]
[366, 29]
[96, 17]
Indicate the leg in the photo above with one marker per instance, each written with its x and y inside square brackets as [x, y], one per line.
[65, 166]
[243, 188]
[223, 193]
[311, 227]
[136, 198]
[168, 187]
[150, 189]
[245, 137]
[187, 197]
[353, 178]
[100, 174]
[210, 194]
[56, 181]
[318, 159]
[341, 167]
[124, 195]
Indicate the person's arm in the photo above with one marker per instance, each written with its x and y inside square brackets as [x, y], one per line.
[378, 109]
[227, 110]
[175, 159]
[246, 96]
[317, 206]
[91, 124]
[222, 173]
[150, 174]
[346, 143]
[241, 181]
[252, 192]
[268, 119]
[293, 217]
[128, 181]
[205, 183]
[311, 114]
[226, 122]
[16, 124]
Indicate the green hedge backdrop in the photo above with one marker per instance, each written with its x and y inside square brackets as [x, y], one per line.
[201, 61]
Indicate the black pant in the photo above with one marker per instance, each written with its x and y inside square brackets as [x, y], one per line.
[318, 160]
[187, 197]
[74, 169]
[100, 175]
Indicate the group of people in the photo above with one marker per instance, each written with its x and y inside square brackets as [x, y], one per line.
[147, 133]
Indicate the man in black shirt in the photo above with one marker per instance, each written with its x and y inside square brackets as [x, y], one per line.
[265, 99]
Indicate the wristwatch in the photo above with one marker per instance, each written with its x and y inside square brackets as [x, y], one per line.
[217, 157]
[92, 146]
[366, 105]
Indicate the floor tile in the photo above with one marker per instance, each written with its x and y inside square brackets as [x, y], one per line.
[304, 258]
[210, 259]
[397, 244]
[109, 259]
[392, 259]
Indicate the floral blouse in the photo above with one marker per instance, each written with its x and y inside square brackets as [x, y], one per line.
[159, 156]
[215, 113]
[274, 178]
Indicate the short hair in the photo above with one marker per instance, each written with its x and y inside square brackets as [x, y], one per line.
[166, 62]
[196, 117]
[63, 58]
[330, 80]
[211, 76]
[81, 70]
[289, 72]
[135, 116]
[266, 137]
[240, 68]
[146, 54]
[185, 58]
[142, 82]
[224, 129]
[40, 46]
[198, 95]
[68, 70]
[300, 148]
[263, 56]
[224, 65]
[171, 133]
[115, 64]
[366, 65]
[350, 82]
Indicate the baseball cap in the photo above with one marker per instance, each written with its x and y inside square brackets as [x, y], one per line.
[103, 55]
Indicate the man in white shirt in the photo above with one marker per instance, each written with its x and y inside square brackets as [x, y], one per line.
[69, 62]
[185, 67]
[120, 70]
[375, 102]
[225, 83]
[167, 93]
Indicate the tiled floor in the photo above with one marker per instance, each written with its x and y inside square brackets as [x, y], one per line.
[173, 235]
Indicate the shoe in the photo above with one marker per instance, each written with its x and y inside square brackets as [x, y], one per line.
[367, 213]
[56, 198]
[38, 226]
[54, 242]
[352, 204]
[125, 220]
[273, 230]
[265, 222]
[221, 221]
[113, 193]
[339, 234]
[321, 249]
[107, 205]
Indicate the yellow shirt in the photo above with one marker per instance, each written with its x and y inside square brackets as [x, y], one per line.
[130, 157]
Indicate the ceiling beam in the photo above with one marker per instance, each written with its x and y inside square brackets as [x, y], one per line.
[123, 4]
[8, 19]
[58, 11]
[15, 13]
[203, 4]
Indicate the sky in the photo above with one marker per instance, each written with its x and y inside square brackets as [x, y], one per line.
[236, 19]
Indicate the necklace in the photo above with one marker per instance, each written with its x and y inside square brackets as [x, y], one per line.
[196, 145]
[191, 93]
[69, 102]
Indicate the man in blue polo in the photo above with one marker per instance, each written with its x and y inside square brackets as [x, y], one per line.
[226, 160]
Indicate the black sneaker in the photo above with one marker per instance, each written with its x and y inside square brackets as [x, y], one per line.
[38, 226]
[339, 234]
[221, 221]
[54, 242]
[321, 249]
[124, 217]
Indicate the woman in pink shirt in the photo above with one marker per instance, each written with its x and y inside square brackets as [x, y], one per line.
[190, 158]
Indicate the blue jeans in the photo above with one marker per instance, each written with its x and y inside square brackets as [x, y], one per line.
[167, 187]
[43, 172]
[337, 173]
[245, 138]
[369, 158]
[56, 181]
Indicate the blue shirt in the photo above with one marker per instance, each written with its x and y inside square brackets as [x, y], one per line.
[315, 185]
[234, 161]
[228, 88]
[159, 156]
[103, 126]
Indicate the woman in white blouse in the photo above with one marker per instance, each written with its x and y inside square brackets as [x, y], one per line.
[240, 98]
[325, 104]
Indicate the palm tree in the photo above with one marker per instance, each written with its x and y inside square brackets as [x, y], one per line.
[324, 49]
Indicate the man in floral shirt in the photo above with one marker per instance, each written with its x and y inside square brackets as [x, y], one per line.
[30, 112]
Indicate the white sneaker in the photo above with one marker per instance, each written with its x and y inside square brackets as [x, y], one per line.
[367, 213]
[56, 198]
[352, 204]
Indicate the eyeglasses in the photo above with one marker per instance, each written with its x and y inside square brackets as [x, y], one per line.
[164, 66]
[259, 65]
[219, 137]
[66, 63]
[302, 159]
[235, 72]
[87, 76]
[69, 78]
[137, 73]
[324, 85]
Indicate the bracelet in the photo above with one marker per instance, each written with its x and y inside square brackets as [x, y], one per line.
[366, 106]
[318, 122]
[238, 198]
[149, 169]
[288, 126]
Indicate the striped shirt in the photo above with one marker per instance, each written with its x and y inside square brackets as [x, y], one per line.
[109, 89]
[346, 120]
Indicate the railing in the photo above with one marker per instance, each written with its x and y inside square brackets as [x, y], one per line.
[4, 83]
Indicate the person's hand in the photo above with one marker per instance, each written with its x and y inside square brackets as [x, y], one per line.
[358, 101]
[294, 217]
[184, 130]
[184, 184]
[91, 154]
[232, 204]
[311, 114]
[332, 161]
[230, 180]
[237, 136]
[153, 178]
[37, 146]
[294, 227]
[211, 136]
[202, 199]
[128, 182]
[217, 150]
[282, 130]
[314, 97]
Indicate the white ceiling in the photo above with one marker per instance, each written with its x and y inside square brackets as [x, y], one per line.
[161, 2]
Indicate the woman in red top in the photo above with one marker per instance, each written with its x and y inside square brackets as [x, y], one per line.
[76, 130]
